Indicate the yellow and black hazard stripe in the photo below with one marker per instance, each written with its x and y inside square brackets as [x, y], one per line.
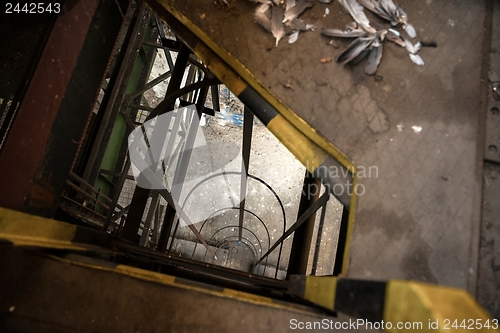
[402, 305]
[25, 230]
[314, 151]
[320, 157]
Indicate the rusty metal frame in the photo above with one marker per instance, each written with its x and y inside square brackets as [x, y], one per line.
[25, 130]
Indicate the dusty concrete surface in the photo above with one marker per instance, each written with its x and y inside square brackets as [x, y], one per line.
[488, 291]
[488, 286]
[419, 218]
[67, 297]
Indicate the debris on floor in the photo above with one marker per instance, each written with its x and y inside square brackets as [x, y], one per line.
[282, 18]
[369, 41]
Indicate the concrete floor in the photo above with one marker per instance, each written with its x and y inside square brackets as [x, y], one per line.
[423, 127]
[430, 213]
[78, 294]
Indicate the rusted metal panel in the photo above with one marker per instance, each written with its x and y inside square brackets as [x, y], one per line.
[18, 59]
[25, 146]
[45, 135]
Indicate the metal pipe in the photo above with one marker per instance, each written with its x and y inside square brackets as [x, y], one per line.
[127, 119]
[215, 95]
[341, 244]
[247, 145]
[166, 228]
[81, 181]
[117, 95]
[141, 107]
[151, 84]
[153, 44]
[318, 239]
[303, 218]
[152, 209]
[164, 106]
[89, 196]
[116, 196]
[158, 214]
[121, 213]
[302, 238]
[140, 196]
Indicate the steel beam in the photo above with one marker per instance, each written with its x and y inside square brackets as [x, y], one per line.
[173, 86]
[140, 196]
[302, 238]
[116, 194]
[117, 95]
[19, 60]
[303, 218]
[121, 162]
[42, 143]
[318, 240]
[342, 242]
[155, 198]
[94, 121]
[166, 44]
[247, 145]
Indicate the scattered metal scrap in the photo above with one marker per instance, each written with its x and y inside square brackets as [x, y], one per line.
[389, 11]
[281, 17]
[369, 41]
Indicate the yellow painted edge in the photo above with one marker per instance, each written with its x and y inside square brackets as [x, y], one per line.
[229, 77]
[401, 304]
[231, 293]
[169, 280]
[23, 229]
[308, 153]
[409, 301]
[142, 274]
[291, 116]
[321, 290]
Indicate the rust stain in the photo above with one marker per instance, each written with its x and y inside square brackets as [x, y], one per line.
[41, 193]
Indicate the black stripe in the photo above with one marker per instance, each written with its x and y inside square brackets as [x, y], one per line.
[361, 299]
[259, 106]
[90, 236]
